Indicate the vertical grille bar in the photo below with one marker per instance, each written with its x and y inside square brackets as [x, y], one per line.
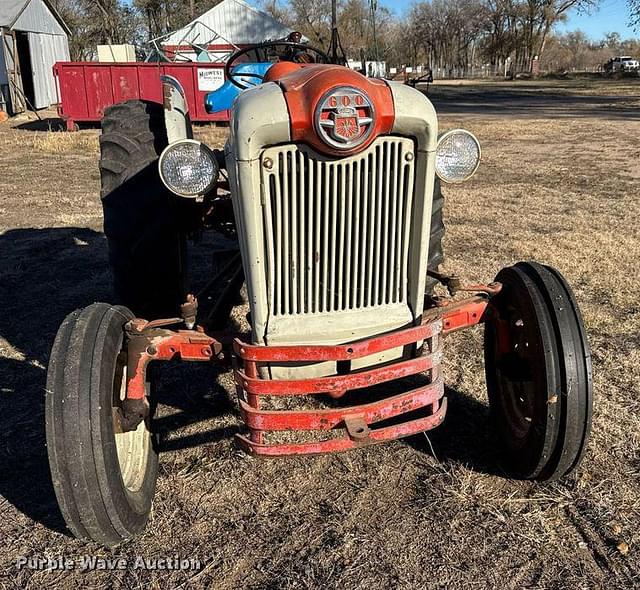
[364, 173]
[371, 225]
[325, 243]
[271, 236]
[355, 254]
[301, 224]
[335, 199]
[348, 231]
[293, 228]
[393, 203]
[407, 184]
[384, 256]
[337, 232]
[342, 229]
[399, 285]
[284, 261]
[312, 230]
[378, 225]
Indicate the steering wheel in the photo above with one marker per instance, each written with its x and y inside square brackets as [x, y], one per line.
[237, 78]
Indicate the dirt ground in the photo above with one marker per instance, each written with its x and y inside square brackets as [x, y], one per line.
[427, 512]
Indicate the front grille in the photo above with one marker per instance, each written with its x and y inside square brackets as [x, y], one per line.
[337, 232]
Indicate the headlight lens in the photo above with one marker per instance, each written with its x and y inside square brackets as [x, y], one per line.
[457, 156]
[188, 168]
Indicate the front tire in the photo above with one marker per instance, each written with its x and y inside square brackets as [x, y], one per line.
[104, 478]
[538, 369]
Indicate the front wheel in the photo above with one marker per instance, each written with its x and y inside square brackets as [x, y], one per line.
[538, 369]
[104, 477]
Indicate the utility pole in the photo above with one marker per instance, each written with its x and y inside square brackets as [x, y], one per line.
[376, 57]
[336, 51]
[374, 7]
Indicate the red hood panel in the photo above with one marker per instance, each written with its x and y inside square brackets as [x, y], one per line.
[305, 85]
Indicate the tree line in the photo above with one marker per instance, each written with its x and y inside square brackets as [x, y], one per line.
[451, 36]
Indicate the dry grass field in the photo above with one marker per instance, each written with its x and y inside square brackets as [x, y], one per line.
[432, 512]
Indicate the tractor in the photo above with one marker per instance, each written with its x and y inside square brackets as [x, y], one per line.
[327, 197]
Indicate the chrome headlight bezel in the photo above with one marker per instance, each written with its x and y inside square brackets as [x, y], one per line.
[199, 191]
[472, 171]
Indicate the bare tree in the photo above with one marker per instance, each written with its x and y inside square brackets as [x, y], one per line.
[574, 51]
[453, 35]
[634, 9]
[448, 32]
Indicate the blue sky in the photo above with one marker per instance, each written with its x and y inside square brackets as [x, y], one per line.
[612, 15]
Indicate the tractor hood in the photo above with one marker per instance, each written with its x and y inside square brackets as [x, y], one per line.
[335, 110]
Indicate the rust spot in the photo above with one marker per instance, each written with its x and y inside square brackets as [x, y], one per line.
[166, 97]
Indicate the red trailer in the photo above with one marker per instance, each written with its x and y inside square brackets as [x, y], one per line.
[85, 89]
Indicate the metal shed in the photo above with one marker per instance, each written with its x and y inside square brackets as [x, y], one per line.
[33, 37]
[230, 25]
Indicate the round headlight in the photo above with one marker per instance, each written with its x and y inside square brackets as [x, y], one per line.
[188, 168]
[457, 156]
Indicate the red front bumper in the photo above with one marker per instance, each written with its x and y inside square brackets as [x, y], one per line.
[352, 426]
[380, 418]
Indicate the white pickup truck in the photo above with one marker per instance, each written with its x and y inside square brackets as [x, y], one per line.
[624, 63]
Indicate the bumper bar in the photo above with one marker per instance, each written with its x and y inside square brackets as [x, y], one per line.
[345, 427]
[345, 443]
[353, 426]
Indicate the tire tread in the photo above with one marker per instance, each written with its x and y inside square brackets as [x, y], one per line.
[147, 266]
[93, 503]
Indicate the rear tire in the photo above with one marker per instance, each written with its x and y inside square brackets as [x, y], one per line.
[147, 250]
[104, 479]
[538, 369]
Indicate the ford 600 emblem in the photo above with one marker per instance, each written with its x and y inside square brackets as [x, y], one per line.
[344, 118]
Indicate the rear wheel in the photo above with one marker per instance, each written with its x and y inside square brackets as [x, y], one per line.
[104, 478]
[142, 219]
[538, 369]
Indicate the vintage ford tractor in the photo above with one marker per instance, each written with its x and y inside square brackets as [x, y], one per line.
[327, 197]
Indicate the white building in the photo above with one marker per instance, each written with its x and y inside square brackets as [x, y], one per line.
[230, 25]
[374, 69]
[32, 38]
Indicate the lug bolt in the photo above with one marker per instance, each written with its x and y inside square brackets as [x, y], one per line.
[152, 350]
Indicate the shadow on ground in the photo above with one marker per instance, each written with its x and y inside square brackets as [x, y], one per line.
[47, 273]
[52, 124]
[44, 275]
[44, 124]
[464, 437]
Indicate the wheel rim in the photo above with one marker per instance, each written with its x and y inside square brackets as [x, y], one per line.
[516, 367]
[537, 360]
[132, 447]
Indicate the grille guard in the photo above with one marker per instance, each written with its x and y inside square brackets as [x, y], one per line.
[359, 425]
[356, 423]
